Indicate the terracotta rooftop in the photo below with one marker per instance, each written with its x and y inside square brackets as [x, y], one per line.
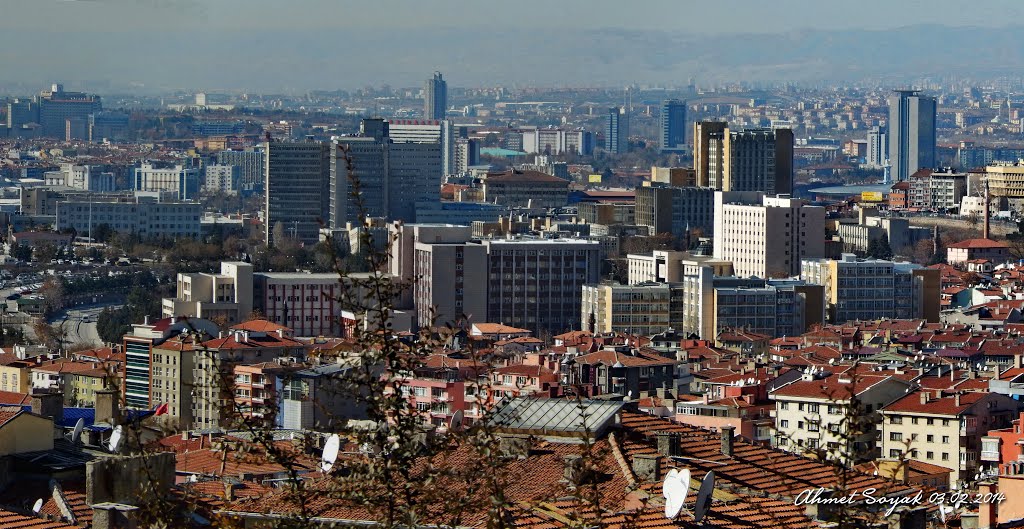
[973, 244]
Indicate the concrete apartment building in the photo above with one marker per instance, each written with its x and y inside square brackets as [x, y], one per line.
[183, 182]
[142, 216]
[642, 309]
[457, 285]
[296, 188]
[225, 296]
[870, 289]
[667, 266]
[809, 412]
[944, 429]
[250, 163]
[247, 343]
[858, 234]
[536, 283]
[139, 345]
[518, 188]
[766, 236]
[911, 133]
[558, 141]
[939, 190]
[226, 179]
[877, 148]
[1006, 180]
[743, 160]
[93, 178]
[674, 210]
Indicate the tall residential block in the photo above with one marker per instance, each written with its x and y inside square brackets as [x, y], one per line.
[743, 160]
[296, 190]
[673, 125]
[616, 131]
[878, 147]
[435, 97]
[767, 236]
[911, 132]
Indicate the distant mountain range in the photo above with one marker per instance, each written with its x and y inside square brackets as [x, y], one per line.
[481, 56]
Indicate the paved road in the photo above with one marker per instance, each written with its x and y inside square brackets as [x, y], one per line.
[80, 324]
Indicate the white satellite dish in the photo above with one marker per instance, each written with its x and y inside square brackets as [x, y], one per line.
[455, 423]
[115, 439]
[77, 434]
[674, 488]
[38, 506]
[330, 453]
[703, 503]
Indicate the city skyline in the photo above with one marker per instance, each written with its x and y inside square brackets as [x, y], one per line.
[616, 45]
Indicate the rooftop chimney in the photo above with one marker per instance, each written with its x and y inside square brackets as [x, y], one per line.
[727, 439]
[107, 408]
[647, 467]
[668, 444]
[924, 397]
[49, 405]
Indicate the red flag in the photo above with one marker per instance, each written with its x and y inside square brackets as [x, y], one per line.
[161, 409]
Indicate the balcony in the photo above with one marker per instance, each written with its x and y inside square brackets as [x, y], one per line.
[969, 426]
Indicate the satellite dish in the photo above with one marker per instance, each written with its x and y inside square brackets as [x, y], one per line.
[455, 423]
[703, 503]
[330, 453]
[77, 434]
[115, 439]
[38, 506]
[674, 488]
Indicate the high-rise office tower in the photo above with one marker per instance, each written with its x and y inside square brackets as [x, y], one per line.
[878, 147]
[704, 133]
[616, 131]
[441, 131]
[57, 107]
[911, 133]
[392, 176]
[435, 97]
[296, 189]
[673, 125]
[743, 160]
[21, 112]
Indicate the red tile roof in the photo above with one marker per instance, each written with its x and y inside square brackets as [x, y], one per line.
[978, 244]
[948, 405]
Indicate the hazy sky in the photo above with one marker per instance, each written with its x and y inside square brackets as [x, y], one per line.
[733, 16]
[296, 45]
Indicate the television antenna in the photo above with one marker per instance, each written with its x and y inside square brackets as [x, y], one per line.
[330, 453]
[703, 503]
[38, 506]
[675, 488]
[115, 439]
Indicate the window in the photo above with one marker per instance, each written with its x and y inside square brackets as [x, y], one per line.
[930, 438]
[945, 456]
[783, 405]
[913, 420]
[896, 420]
[929, 455]
[895, 436]
[931, 422]
[784, 423]
[895, 453]
[812, 426]
[945, 439]
[813, 408]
